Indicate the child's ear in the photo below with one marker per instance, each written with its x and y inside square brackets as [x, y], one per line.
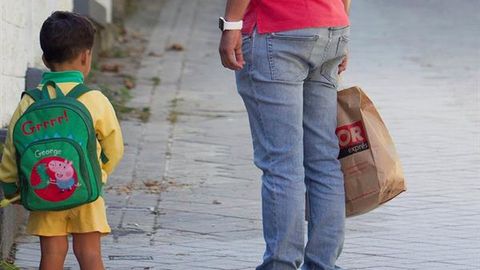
[45, 62]
[84, 56]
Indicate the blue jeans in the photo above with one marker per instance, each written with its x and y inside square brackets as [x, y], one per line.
[289, 87]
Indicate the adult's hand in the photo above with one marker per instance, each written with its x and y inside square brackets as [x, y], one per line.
[343, 65]
[231, 49]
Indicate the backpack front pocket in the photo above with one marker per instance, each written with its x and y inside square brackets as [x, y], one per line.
[54, 175]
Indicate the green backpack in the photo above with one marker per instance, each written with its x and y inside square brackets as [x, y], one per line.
[56, 150]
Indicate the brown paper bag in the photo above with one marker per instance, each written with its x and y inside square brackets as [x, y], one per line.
[370, 164]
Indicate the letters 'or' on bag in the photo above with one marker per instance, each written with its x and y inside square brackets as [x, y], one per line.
[56, 148]
[370, 164]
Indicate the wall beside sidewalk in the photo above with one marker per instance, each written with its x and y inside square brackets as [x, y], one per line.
[20, 23]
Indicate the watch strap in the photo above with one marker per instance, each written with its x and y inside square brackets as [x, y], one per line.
[231, 25]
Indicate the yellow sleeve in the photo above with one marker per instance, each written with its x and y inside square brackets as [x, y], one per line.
[8, 165]
[107, 128]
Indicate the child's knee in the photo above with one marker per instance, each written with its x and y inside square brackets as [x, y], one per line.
[86, 250]
[89, 259]
[54, 246]
[53, 252]
[87, 255]
[87, 246]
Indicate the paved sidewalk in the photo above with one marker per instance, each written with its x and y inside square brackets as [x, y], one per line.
[194, 193]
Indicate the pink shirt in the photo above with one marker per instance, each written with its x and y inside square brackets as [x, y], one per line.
[282, 15]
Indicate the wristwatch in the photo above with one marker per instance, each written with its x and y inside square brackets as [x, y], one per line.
[224, 25]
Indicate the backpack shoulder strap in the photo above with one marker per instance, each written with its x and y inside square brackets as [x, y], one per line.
[75, 93]
[35, 94]
[78, 90]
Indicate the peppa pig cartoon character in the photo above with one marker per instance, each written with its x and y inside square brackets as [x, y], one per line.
[63, 174]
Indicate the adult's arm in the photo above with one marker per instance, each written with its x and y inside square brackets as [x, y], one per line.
[230, 47]
[346, 4]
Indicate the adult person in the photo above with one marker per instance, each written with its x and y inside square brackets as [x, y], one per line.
[287, 62]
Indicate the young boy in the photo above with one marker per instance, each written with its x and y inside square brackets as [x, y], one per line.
[66, 39]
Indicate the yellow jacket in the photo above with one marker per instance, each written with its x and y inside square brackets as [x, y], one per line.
[107, 128]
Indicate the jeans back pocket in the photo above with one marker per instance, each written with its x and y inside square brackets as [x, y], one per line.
[288, 55]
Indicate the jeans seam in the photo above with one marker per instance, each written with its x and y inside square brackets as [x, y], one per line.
[269, 158]
[341, 40]
[260, 119]
[332, 81]
[327, 48]
[309, 59]
[271, 63]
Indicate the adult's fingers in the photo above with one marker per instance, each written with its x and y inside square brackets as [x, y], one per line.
[230, 50]
[343, 65]
[231, 59]
[239, 56]
[232, 62]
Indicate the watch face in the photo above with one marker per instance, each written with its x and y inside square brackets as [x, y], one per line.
[220, 24]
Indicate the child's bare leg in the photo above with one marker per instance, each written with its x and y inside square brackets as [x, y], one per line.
[54, 249]
[87, 249]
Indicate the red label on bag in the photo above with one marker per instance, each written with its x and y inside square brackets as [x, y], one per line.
[352, 139]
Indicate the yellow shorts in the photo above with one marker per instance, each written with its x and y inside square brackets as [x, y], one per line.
[86, 218]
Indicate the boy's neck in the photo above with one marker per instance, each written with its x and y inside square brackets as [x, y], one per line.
[81, 62]
[65, 67]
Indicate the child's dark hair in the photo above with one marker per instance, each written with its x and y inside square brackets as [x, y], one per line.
[64, 35]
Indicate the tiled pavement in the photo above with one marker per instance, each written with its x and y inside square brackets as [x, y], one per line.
[419, 62]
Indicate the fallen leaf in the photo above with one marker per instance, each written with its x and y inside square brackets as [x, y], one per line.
[123, 31]
[139, 36]
[128, 83]
[136, 49]
[154, 54]
[110, 67]
[151, 183]
[121, 39]
[176, 47]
